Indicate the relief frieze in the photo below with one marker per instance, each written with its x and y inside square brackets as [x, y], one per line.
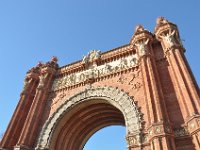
[95, 72]
[133, 82]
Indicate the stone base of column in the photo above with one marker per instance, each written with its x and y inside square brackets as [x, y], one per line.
[22, 147]
[41, 148]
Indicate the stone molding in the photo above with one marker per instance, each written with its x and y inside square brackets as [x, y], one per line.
[159, 129]
[114, 96]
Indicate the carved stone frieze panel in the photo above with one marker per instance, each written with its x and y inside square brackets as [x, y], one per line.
[133, 81]
[96, 72]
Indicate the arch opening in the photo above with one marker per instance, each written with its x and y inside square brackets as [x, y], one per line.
[110, 137]
[86, 112]
[75, 128]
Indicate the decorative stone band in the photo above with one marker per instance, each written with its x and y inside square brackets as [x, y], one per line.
[96, 72]
[134, 140]
[22, 147]
[193, 125]
[113, 96]
[181, 132]
[159, 129]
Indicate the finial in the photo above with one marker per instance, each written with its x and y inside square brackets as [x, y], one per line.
[54, 59]
[161, 20]
[139, 28]
[39, 64]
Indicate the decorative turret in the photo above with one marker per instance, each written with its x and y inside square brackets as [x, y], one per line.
[168, 34]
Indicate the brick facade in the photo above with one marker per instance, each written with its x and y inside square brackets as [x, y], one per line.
[146, 85]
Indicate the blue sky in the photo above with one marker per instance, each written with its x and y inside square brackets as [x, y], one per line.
[36, 30]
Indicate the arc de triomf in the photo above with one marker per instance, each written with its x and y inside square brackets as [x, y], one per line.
[146, 86]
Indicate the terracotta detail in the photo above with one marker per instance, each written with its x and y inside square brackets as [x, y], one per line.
[146, 86]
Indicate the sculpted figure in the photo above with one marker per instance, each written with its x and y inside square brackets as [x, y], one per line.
[27, 81]
[169, 39]
[42, 78]
[133, 61]
[123, 63]
[81, 77]
[92, 55]
[85, 59]
[142, 47]
[107, 69]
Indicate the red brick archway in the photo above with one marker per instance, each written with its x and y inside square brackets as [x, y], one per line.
[146, 85]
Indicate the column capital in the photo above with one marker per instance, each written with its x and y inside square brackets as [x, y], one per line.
[167, 33]
[47, 71]
[31, 76]
[34, 72]
[142, 40]
[50, 67]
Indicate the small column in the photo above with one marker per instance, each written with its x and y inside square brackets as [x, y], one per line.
[158, 116]
[32, 125]
[16, 124]
[185, 85]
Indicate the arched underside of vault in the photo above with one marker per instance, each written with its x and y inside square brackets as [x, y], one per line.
[74, 129]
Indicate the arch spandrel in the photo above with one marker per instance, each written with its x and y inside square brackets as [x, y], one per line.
[110, 95]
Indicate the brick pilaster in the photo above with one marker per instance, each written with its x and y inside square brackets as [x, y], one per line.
[158, 116]
[17, 122]
[32, 123]
[185, 85]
